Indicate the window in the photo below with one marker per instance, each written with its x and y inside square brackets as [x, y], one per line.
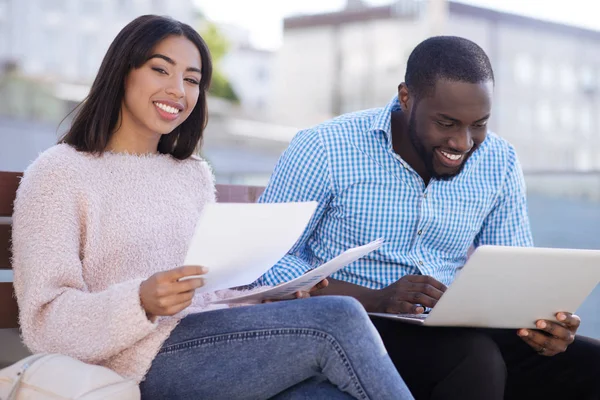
[586, 120]
[567, 116]
[544, 117]
[587, 77]
[567, 78]
[524, 69]
[524, 116]
[547, 74]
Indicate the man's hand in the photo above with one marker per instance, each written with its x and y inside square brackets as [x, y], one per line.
[321, 285]
[408, 295]
[552, 337]
[163, 293]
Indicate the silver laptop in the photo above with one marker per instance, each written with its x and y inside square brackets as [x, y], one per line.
[513, 287]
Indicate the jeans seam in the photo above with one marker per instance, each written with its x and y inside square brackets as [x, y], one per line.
[265, 333]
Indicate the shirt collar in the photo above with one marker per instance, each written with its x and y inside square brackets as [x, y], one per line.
[383, 122]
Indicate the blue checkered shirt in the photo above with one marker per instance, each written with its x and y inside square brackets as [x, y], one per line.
[366, 191]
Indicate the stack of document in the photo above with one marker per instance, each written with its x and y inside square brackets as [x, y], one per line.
[308, 280]
[238, 243]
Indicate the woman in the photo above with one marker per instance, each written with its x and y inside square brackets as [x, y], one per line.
[100, 229]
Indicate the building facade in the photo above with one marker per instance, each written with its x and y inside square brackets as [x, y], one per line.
[65, 40]
[248, 69]
[547, 74]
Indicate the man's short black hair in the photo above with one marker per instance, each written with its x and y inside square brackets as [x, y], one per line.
[446, 57]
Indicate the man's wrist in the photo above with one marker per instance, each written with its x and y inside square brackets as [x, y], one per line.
[369, 298]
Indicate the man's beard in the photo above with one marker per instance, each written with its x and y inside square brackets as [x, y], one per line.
[424, 155]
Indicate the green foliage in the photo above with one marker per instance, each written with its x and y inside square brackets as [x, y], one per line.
[218, 46]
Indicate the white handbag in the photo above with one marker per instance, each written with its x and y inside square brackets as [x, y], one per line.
[59, 377]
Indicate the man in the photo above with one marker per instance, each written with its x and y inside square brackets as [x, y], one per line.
[425, 174]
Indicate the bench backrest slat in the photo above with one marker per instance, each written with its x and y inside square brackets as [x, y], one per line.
[8, 189]
[9, 313]
[5, 254]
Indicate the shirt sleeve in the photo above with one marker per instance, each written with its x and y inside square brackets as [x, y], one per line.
[57, 311]
[508, 222]
[302, 174]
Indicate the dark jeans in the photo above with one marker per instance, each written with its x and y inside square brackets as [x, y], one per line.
[490, 364]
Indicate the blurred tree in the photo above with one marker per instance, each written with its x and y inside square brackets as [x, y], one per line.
[219, 46]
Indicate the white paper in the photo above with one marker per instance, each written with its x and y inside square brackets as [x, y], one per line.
[238, 243]
[308, 280]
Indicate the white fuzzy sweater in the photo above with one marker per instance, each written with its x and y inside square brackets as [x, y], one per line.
[87, 230]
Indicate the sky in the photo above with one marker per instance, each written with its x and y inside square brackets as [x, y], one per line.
[264, 18]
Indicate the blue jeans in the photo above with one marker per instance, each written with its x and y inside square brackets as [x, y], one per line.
[316, 348]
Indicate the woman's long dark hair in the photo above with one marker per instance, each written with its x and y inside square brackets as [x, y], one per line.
[98, 114]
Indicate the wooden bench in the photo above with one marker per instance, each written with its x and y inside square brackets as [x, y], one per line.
[9, 182]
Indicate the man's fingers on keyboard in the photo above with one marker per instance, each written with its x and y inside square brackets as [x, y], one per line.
[404, 307]
[421, 298]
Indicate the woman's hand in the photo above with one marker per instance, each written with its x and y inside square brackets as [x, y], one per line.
[163, 294]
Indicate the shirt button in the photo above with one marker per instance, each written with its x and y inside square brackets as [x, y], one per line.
[420, 231]
[420, 262]
[425, 195]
